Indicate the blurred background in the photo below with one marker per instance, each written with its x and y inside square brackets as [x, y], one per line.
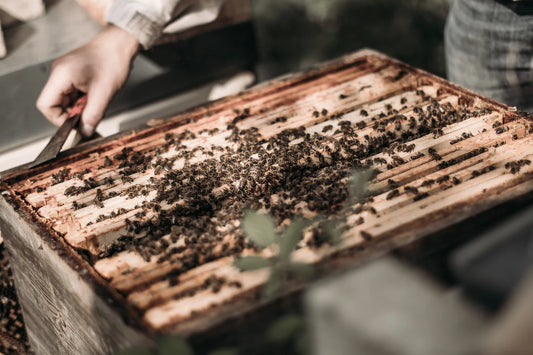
[293, 34]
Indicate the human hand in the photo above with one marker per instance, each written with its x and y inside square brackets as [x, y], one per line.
[98, 68]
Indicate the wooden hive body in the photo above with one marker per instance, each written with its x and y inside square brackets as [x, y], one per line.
[136, 234]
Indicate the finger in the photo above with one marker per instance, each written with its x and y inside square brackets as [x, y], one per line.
[98, 98]
[69, 100]
[62, 118]
[66, 103]
[52, 98]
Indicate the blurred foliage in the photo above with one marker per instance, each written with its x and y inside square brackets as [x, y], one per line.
[260, 229]
[290, 328]
[359, 185]
[173, 345]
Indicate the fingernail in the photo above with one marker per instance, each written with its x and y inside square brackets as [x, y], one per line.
[86, 130]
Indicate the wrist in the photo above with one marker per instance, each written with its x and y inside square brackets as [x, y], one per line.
[120, 40]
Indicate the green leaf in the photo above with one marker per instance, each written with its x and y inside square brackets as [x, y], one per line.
[169, 345]
[135, 351]
[291, 236]
[224, 351]
[250, 263]
[273, 284]
[359, 180]
[285, 328]
[331, 232]
[259, 228]
[302, 343]
[301, 270]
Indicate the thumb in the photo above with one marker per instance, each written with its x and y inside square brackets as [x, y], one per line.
[98, 97]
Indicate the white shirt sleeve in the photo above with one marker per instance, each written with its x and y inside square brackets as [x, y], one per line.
[146, 20]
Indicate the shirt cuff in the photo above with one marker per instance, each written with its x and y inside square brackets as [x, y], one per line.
[130, 17]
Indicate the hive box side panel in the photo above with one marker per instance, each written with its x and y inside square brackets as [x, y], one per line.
[63, 315]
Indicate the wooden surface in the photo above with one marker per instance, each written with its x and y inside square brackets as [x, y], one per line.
[61, 313]
[449, 177]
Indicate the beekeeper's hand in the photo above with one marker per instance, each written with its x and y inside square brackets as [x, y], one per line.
[99, 69]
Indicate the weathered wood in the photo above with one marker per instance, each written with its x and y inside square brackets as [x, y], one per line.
[426, 183]
[62, 314]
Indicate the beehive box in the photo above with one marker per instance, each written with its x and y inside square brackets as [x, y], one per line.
[136, 234]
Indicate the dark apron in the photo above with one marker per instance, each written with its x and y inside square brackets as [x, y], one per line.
[489, 49]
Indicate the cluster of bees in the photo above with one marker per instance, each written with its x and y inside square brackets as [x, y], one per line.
[207, 196]
[12, 334]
